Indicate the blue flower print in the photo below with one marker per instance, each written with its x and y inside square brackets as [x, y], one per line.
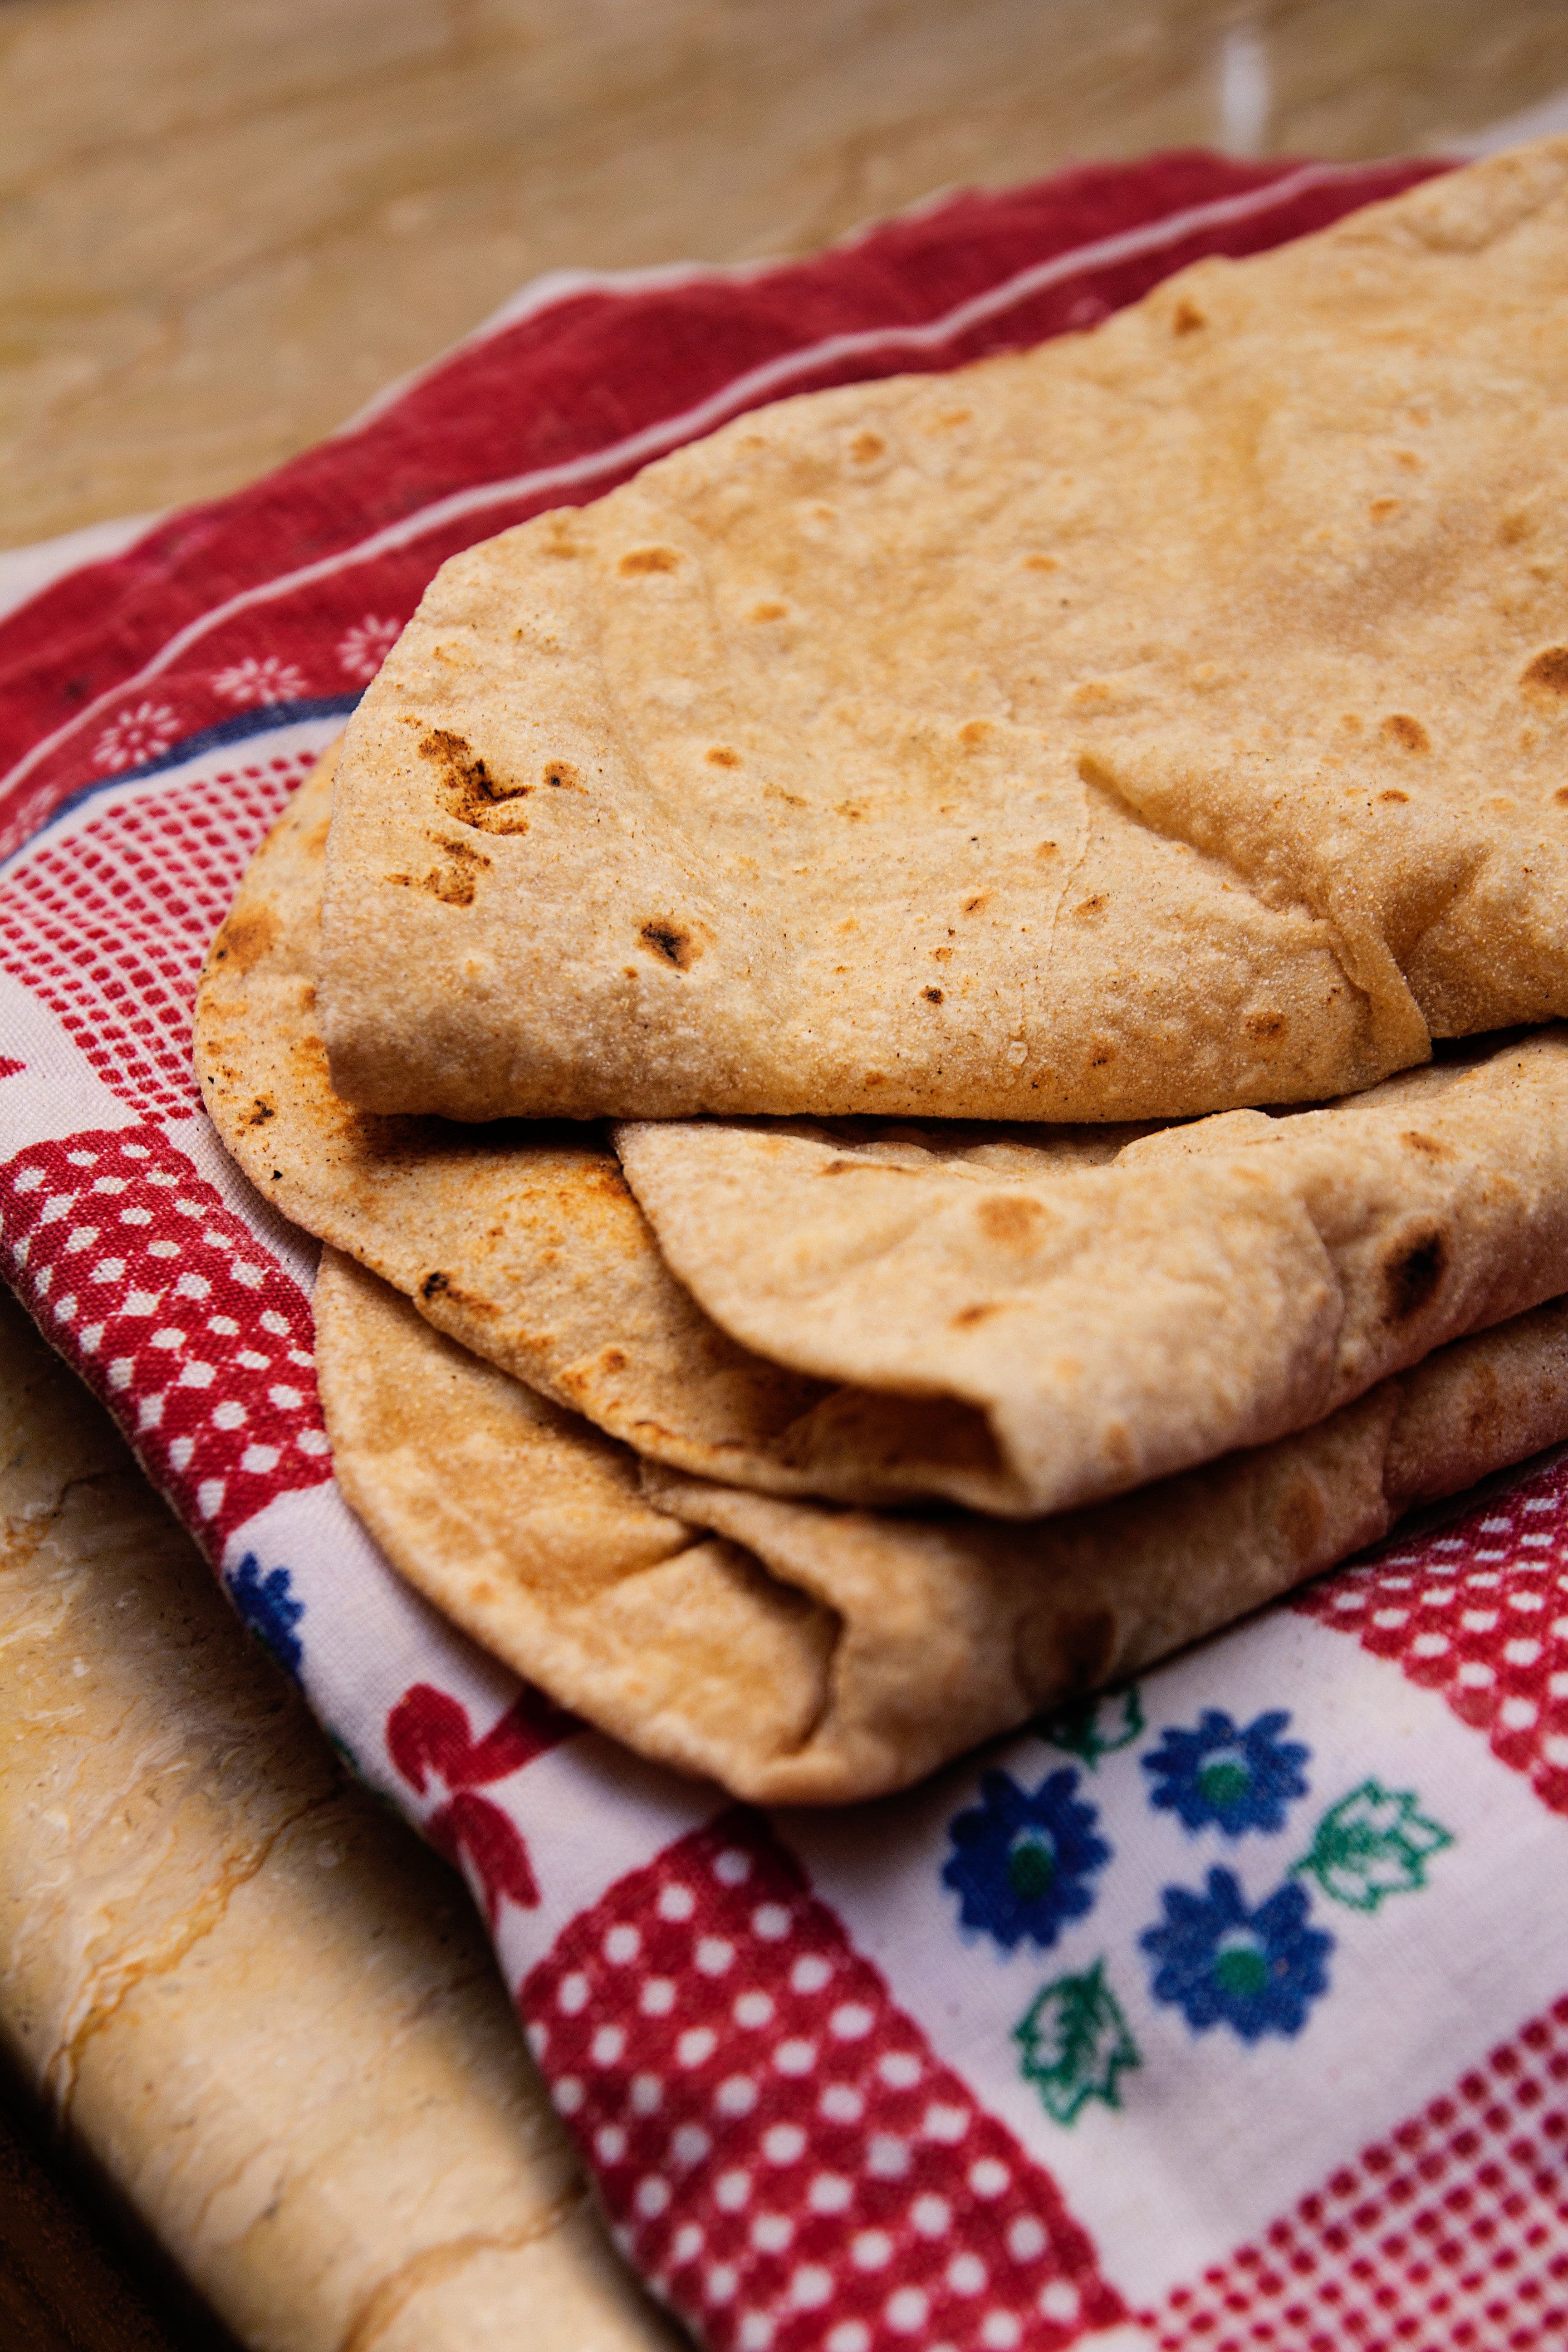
[1256, 1972]
[1240, 1779]
[271, 1610]
[1024, 1861]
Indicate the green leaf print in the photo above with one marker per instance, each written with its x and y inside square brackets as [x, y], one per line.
[1372, 1844]
[1093, 1727]
[1075, 2042]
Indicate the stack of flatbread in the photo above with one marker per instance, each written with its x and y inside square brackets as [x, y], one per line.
[923, 1041]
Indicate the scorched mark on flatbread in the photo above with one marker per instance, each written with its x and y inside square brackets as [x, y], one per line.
[1547, 675]
[669, 942]
[246, 938]
[469, 792]
[1411, 1279]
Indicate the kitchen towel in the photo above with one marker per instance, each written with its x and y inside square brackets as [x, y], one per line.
[1228, 2011]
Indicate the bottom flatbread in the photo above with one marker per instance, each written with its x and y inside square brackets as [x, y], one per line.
[801, 1654]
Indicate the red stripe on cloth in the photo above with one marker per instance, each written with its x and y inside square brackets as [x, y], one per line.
[161, 1300]
[779, 2151]
[1479, 1612]
[108, 927]
[1451, 2232]
[581, 377]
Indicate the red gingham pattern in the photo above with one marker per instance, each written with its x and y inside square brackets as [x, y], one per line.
[110, 926]
[779, 2151]
[1479, 1612]
[1449, 2235]
[159, 1296]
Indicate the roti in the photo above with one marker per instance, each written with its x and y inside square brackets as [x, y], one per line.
[1111, 1319]
[803, 1654]
[1168, 720]
[1016, 1319]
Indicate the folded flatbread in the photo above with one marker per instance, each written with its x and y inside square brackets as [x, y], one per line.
[1171, 719]
[1112, 1319]
[806, 1656]
[1016, 1321]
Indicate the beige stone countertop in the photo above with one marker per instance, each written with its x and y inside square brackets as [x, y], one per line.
[267, 2014]
[223, 226]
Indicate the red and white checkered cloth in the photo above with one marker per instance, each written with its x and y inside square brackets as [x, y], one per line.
[1231, 2013]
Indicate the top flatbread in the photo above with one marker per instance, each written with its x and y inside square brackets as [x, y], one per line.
[1017, 1319]
[1167, 719]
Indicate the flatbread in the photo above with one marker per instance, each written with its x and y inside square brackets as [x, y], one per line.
[1210, 1287]
[522, 1242]
[805, 1655]
[1168, 720]
[1014, 1320]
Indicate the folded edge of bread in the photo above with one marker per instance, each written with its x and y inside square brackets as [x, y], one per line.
[802, 1654]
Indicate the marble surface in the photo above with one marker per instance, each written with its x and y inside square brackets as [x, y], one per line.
[225, 227]
[264, 2010]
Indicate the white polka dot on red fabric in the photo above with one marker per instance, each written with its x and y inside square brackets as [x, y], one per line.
[932, 2216]
[1446, 2232]
[811, 2287]
[851, 2021]
[822, 2191]
[1475, 1624]
[211, 1439]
